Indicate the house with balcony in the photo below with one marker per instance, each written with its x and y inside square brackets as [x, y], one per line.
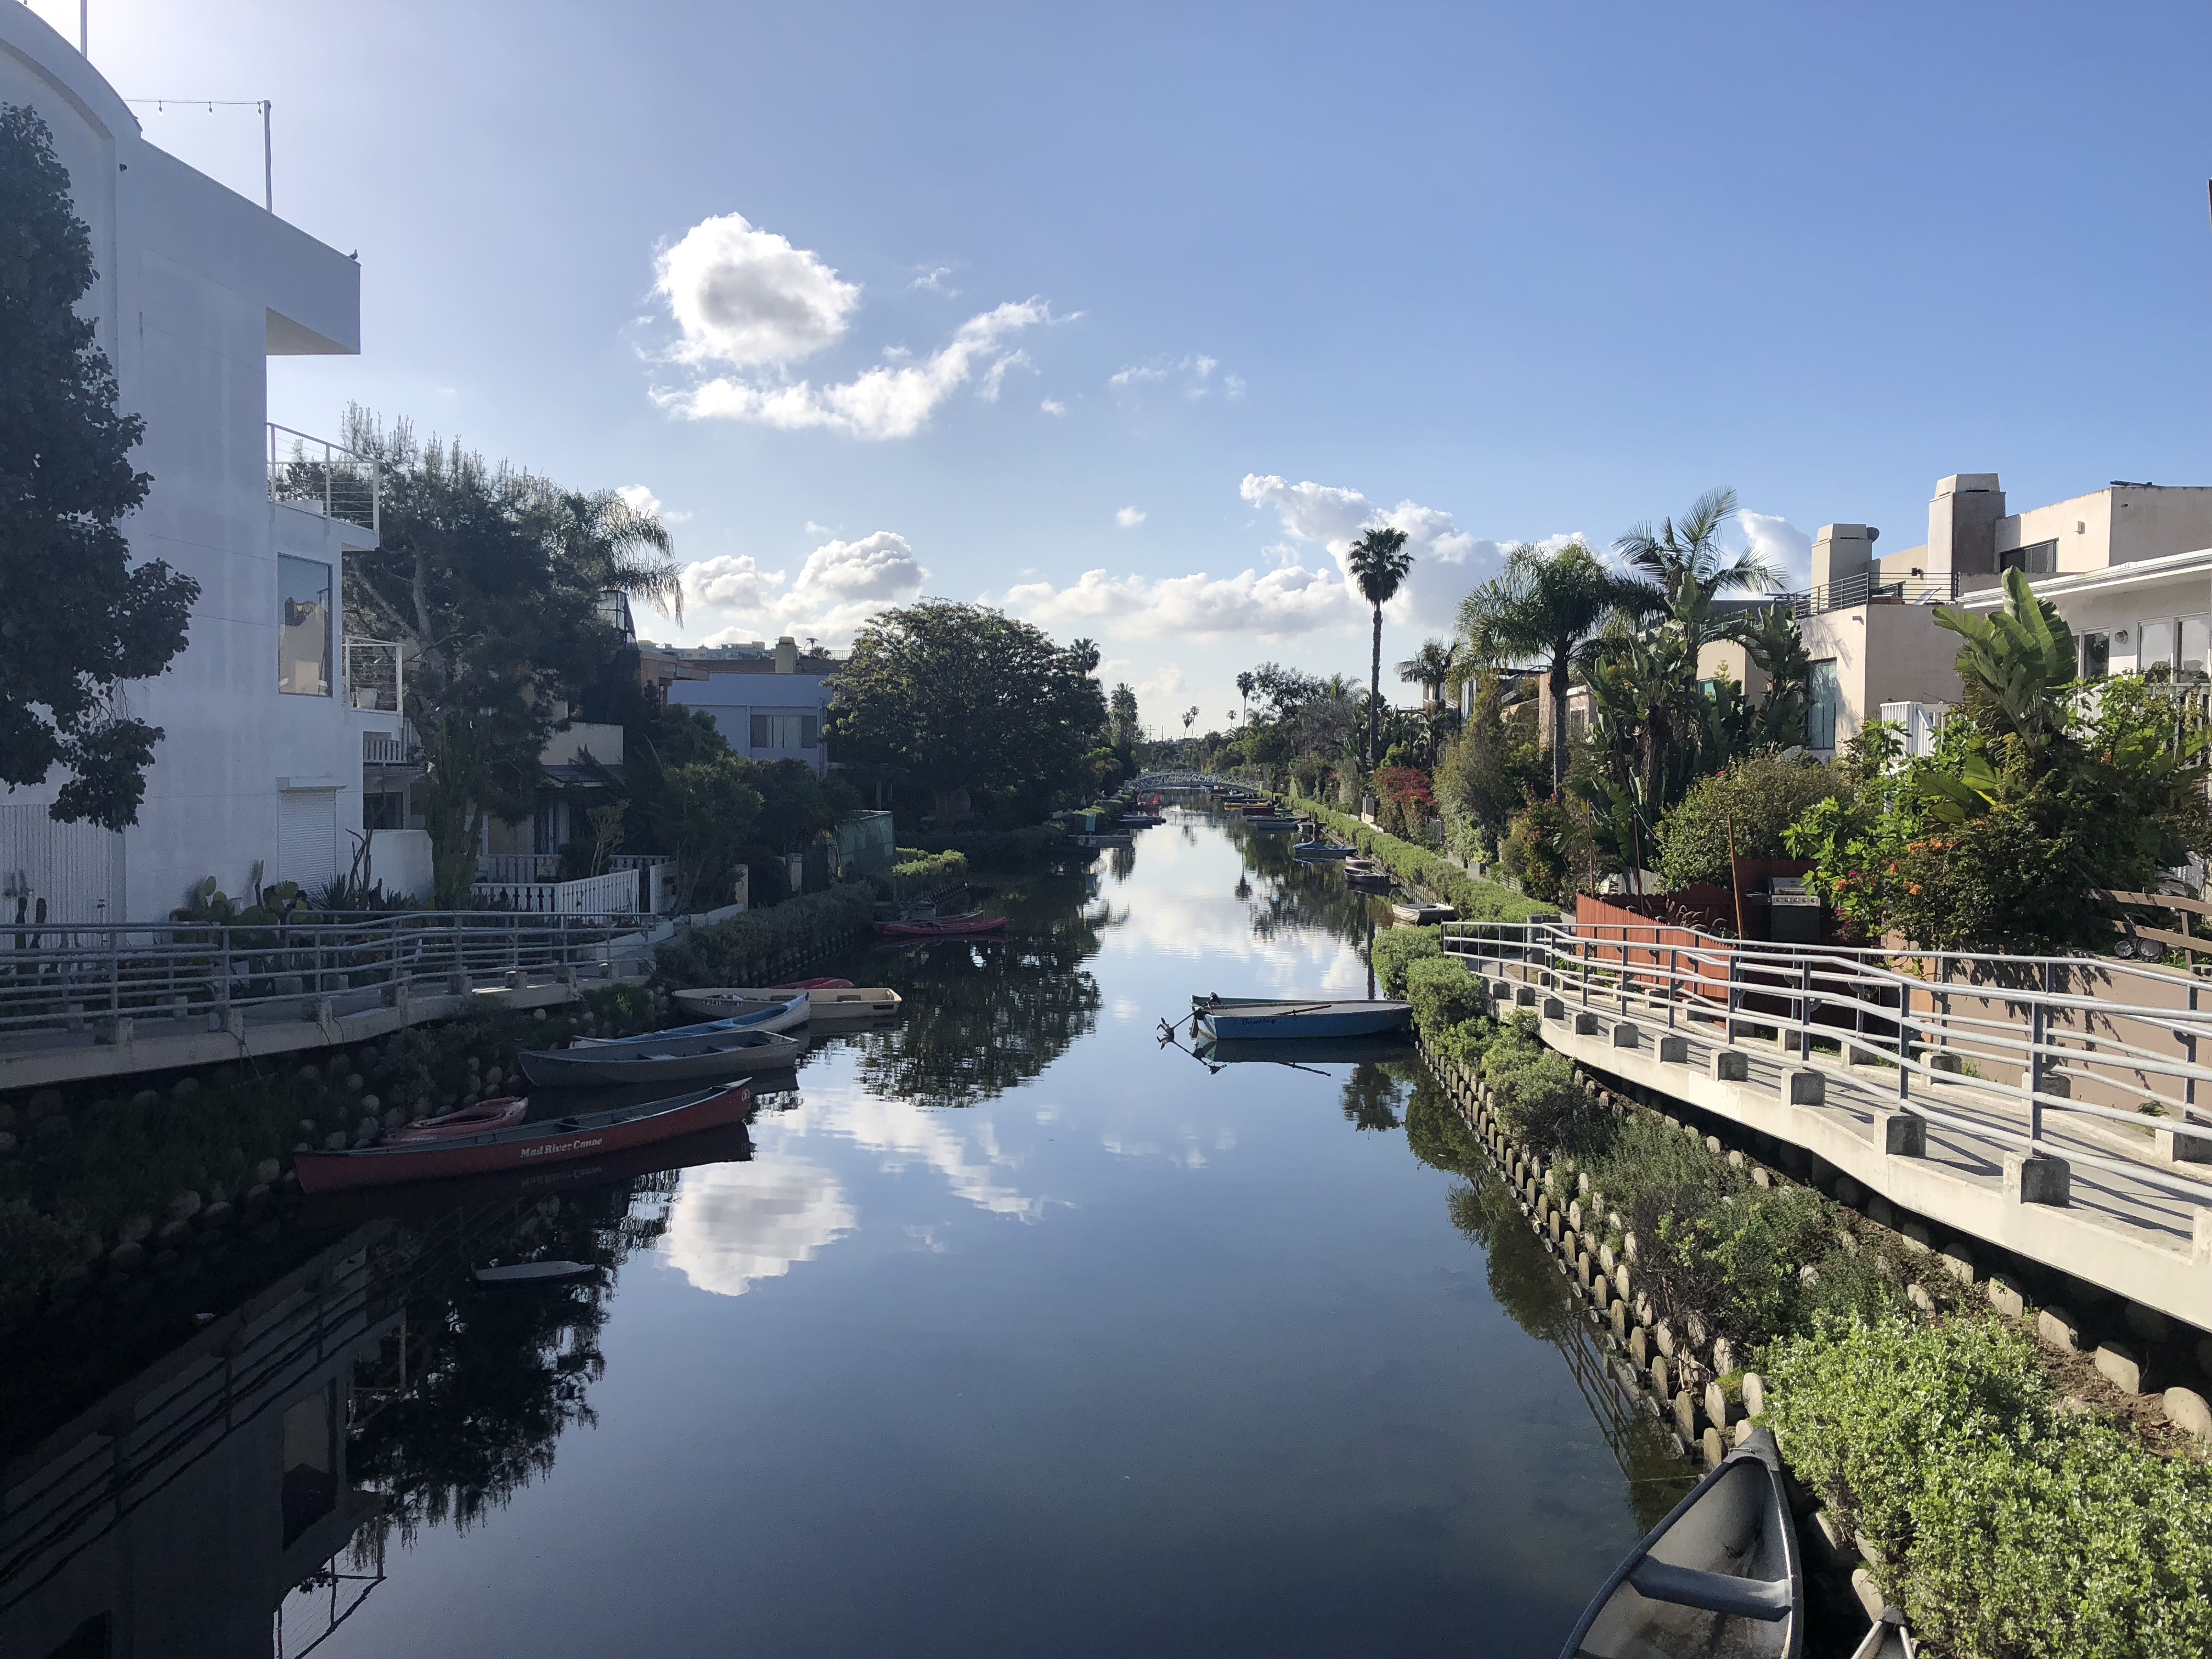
[260, 760]
[770, 702]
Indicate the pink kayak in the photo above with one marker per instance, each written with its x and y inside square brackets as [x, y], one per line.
[952, 927]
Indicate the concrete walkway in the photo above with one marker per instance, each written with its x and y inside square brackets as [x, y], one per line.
[2148, 1237]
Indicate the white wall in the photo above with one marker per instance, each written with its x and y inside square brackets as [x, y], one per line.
[197, 286]
[732, 699]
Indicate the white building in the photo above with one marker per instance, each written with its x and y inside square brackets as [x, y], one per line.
[770, 703]
[197, 287]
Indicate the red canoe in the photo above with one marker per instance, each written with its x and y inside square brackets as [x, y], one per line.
[952, 928]
[524, 1145]
[486, 1115]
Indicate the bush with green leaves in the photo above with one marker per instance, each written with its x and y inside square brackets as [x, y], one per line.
[923, 873]
[1443, 994]
[1396, 949]
[1760, 798]
[748, 950]
[1002, 851]
[1533, 1090]
[2008, 1527]
[1474, 899]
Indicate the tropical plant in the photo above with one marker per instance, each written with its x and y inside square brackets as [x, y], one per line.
[1122, 711]
[1544, 608]
[1772, 639]
[81, 619]
[1431, 668]
[1756, 800]
[1377, 563]
[607, 543]
[1683, 569]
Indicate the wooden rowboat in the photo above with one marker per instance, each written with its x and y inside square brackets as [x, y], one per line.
[1720, 1574]
[1231, 1017]
[524, 1145]
[674, 1060]
[842, 1005]
[759, 1010]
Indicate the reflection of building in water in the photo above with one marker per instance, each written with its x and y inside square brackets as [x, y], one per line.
[174, 1517]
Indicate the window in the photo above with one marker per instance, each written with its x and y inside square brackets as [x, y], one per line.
[2039, 559]
[2096, 656]
[786, 731]
[303, 634]
[1824, 701]
[2155, 646]
[2195, 647]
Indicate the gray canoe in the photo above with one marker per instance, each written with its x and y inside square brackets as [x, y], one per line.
[826, 1004]
[1718, 1576]
[680, 1060]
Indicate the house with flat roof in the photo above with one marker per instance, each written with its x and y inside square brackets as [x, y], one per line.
[264, 730]
[770, 702]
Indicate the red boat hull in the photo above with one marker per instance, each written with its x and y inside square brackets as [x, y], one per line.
[375, 1166]
[941, 929]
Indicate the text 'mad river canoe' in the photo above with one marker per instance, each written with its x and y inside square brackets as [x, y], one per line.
[1719, 1578]
[524, 1145]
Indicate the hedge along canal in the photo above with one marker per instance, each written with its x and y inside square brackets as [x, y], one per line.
[1019, 1333]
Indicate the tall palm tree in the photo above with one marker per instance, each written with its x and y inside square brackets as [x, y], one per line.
[1377, 563]
[1245, 682]
[1543, 608]
[1684, 568]
[605, 543]
[1431, 668]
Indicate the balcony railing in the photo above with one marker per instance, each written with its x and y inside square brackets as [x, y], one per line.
[391, 749]
[323, 478]
[1866, 588]
[375, 674]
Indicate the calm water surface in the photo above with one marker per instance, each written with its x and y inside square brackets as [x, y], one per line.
[1016, 1333]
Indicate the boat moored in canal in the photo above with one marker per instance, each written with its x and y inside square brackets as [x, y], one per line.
[1298, 1017]
[1323, 850]
[942, 928]
[524, 1145]
[1720, 1574]
[841, 1004]
[671, 1060]
[1423, 913]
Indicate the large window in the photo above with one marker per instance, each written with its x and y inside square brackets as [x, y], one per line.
[2038, 559]
[303, 634]
[786, 731]
[1824, 701]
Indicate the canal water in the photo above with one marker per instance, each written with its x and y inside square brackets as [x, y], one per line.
[1012, 1331]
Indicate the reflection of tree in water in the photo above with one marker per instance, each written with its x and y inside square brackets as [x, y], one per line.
[494, 1373]
[983, 1017]
[1122, 860]
[1372, 1094]
[1296, 897]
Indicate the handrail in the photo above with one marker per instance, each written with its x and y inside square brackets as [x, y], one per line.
[1911, 1022]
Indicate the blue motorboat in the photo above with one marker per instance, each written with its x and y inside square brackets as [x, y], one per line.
[1225, 1018]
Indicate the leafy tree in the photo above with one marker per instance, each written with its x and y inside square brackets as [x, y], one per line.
[81, 619]
[1377, 564]
[603, 541]
[1494, 768]
[1543, 608]
[961, 699]
[713, 806]
[1245, 681]
[1761, 797]
[1684, 570]
[1773, 641]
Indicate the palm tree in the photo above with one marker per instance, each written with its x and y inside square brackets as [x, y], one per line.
[605, 543]
[1379, 563]
[1686, 569]
[1431, 668]
[1245, 682]
[1541, 608]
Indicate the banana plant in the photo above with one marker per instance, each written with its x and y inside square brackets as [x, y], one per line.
[2014, 662]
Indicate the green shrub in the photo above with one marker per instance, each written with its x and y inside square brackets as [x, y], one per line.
[745, 950]
[1443, 994]
[1397, 949]
[1475, 900]
[921, 874]
[1534, 1090]
[1762, 796]
[2009, 1528]
[1001, 852]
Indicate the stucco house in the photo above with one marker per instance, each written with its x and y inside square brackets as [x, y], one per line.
[261, 760]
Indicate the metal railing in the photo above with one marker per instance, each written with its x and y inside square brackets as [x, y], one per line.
[375, 675]
[85, 978]
[1867, 589]
[323, 478]
[2003, 1047]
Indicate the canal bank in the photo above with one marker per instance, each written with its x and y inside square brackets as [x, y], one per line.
[1014, 1331]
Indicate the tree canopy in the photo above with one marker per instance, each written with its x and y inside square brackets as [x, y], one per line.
[80, 620]
[960, 700]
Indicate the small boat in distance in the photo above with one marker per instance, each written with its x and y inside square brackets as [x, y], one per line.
[533, 1272]
[1321, 850]
[1226, 1018]
[826, 1004]
[1422, 914]
[765, 1011]
[1367, 875]
[950, 926]
[1304, 1050]
[526, 1146]
[1720, 1574]
[678, 1059]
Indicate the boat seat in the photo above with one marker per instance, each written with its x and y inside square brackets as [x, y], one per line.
[1763, 1599]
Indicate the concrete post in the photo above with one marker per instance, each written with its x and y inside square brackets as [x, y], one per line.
[1802, 1087]
[1728, 1065]
[1674, 1051]
[2040, 1179]
[1585, 1024]
[1902, 1134]
[1625, 1035]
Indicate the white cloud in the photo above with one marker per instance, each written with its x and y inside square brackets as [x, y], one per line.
[1053, 406]
[1447, 560]
[1282, 602]
[1194, 375]
[734, 1223]
[1130, 517]
[814, 529]
[643, 499]
[1781, 543]
[840, 587]
[747, 297]
[893, 400]
[933, 279]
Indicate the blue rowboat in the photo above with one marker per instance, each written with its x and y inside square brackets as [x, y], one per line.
[781, 1014]
[1298, 1017]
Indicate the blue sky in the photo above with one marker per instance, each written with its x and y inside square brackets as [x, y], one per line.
[969, 289]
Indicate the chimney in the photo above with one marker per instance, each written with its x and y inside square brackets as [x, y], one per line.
[1962, 525]
[1842, 553]
[787, 655]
